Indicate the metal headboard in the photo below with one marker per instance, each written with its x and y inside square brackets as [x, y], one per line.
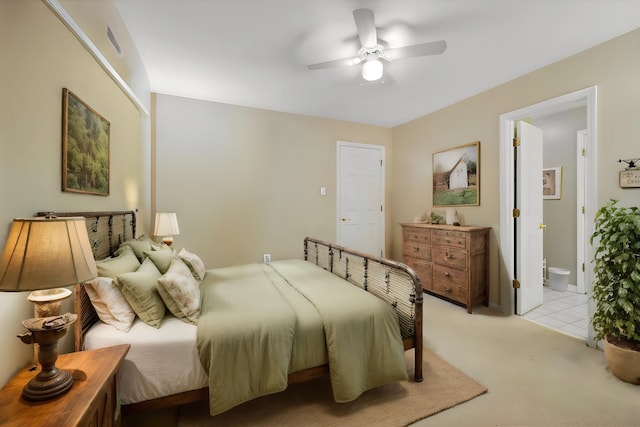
[106, 230]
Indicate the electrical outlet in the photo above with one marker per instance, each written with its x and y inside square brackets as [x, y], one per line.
[266, 258]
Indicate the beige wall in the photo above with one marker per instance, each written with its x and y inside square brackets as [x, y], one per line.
[39, 58]
[245, 182]
[613, 66]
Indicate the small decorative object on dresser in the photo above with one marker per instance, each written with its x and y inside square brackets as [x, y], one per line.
[92, 401]
[451, 261]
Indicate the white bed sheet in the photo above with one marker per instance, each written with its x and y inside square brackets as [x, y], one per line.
[160, 361]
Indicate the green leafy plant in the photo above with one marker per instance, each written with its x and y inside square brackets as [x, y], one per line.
[616, 288]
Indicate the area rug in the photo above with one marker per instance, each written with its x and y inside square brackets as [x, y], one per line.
[311, 403]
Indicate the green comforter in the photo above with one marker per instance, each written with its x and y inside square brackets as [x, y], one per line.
[259, 322]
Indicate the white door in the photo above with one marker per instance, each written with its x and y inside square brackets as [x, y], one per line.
[529, 226]
[361, 197]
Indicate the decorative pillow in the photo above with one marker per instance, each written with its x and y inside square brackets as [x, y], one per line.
[194, 263]
[139, 289]
[161, 258]
[111, 306]
[125, 262]
[138, 245]
[180, 291]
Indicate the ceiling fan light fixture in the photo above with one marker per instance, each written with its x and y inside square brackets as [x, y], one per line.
[372, 70]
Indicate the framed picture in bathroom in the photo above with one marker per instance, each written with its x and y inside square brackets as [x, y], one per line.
[552, 183]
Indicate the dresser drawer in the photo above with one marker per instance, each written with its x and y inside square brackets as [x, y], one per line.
[416, 234]
[449, 257]
[422, 269]
[449, 290]
[450, 274]
[456, 239]
[416, 250]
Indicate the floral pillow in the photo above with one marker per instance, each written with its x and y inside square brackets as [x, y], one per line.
[180, 292]
[194, 263]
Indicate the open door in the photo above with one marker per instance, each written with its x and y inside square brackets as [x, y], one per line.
[528, 218]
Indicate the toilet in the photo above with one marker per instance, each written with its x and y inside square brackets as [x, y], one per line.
[558, 278]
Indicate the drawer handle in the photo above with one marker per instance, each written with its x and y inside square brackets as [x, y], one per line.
[416, 248]
[447, 274]
[447, 290]
[447, 255]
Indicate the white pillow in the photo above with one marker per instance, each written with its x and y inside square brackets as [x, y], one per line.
[180, 292]
[110, 305]
[194, 263]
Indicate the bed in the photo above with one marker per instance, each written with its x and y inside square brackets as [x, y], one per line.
[151, 378]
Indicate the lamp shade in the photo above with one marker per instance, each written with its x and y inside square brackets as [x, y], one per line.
[44, 253]
[166, 224]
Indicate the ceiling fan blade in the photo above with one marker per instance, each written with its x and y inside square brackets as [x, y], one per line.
[366, 27]
[422, 49]
[343, 62]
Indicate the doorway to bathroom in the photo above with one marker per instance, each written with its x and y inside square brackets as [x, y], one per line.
[564, 217]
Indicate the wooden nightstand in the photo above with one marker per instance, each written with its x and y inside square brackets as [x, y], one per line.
[92, 401]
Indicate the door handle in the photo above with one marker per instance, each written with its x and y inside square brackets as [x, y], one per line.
[543, 226]
[344, 219]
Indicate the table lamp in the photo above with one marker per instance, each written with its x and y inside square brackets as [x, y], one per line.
[166, 226]
[41, 254]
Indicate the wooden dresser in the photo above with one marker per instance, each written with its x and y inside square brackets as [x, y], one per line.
[92, 400]
[451, 261]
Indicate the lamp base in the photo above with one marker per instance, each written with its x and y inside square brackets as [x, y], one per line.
[50, 382]
[39, 389]
[47, 302]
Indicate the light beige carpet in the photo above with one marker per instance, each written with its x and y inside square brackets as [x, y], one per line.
[311, 403]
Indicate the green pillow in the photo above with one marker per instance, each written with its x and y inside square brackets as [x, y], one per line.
[161, 258]
[125, 262]
[140, 290]
[139, 246]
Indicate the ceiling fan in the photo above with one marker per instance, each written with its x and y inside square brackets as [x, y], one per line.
[371, 51]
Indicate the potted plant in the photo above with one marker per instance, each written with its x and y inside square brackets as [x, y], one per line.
[616, 288]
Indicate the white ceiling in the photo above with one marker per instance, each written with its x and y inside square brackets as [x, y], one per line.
[255, 52]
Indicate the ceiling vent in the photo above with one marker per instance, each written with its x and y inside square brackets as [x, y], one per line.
[114, 42]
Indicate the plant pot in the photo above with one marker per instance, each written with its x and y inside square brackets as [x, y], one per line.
[624, 363]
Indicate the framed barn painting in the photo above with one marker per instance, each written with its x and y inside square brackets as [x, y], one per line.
[456, 176]
[85, 147]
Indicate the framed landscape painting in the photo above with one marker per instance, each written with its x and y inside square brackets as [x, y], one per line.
[85, 147]
[456, 176]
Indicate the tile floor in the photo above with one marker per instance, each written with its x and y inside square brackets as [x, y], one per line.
[563, 311]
